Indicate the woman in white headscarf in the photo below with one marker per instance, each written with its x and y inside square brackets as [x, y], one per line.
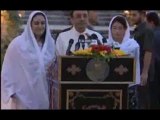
[119, 37]
[24, 82]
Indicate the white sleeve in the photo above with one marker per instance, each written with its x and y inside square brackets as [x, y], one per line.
[59, 46]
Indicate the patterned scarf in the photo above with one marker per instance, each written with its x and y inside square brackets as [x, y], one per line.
[52, 77]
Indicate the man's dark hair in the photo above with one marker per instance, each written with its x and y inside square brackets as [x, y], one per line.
[153, 16]
[72, 11]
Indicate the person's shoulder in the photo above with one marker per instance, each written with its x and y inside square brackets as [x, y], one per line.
[147, 29]
[157, 31]
[64, 32]
[16, 41]
[67, 29]
[134, 42]
[143, 27]
[94, 31]
[15, 44]
[157, 35]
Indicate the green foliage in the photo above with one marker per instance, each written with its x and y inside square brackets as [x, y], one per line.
[13, 23]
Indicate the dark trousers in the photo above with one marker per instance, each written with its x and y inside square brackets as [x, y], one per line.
[154, 88]
[132, 97]
[147, 97]
[138, 97]
[143, 97]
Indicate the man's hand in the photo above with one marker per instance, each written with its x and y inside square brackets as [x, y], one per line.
[146, 66]
[144, 77]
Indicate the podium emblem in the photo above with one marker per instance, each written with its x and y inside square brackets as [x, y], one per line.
[73, 69]
[121, 70]
[97, 70]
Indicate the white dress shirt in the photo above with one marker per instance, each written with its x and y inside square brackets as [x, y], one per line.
[63, 39]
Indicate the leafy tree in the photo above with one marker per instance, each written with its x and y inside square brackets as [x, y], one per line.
[12, 22]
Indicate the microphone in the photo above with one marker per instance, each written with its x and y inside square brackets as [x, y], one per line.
[116, 45]
[77, 45]
[94, 37]
[104, 41]
[82, 40]
[88, 40]
[68, 52]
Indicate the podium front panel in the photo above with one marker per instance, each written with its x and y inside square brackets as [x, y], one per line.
[89, 83]
[93, 96]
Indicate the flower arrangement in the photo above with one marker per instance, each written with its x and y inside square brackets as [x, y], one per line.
[100, 52]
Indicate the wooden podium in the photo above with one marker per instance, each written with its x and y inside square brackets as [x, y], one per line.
[87, 83]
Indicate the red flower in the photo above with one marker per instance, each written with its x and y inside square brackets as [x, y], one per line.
[99, 48]
[108, 49]
[95, 48]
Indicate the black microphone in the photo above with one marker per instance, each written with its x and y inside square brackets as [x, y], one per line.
[77, 45]
[82, 40]
[88, 40]
[68, 52]
[94, 37]
[104, 41]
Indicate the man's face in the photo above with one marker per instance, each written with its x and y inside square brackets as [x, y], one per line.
[80, 19]
[135, 17]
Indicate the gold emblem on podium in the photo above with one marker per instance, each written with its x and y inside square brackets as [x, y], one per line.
[121, 70]
[73, 69]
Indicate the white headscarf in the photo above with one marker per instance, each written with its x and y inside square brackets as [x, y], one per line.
[127, 33]
[130, 46]
[24, 68]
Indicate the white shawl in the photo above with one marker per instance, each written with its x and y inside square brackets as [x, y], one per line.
[130, 46]
[24, 69]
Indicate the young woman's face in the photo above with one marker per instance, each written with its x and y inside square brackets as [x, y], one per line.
[38, 25]
[118, 31]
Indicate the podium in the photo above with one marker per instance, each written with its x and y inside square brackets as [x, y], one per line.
[88, 83]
